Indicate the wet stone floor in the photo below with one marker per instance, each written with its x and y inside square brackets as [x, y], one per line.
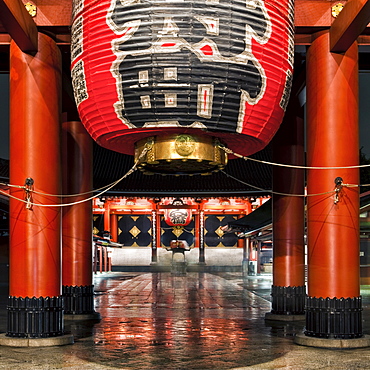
[201, 321]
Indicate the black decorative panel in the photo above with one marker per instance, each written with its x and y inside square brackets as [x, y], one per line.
[35, 317]
[338, 318]
[288, 300]
[135, 230]
[98, 224]
[78, 299]
[214, 236]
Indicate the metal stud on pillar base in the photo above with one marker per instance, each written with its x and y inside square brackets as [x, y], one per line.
[35, 322]
[338, 318]
[288, 303]
[35, 317]
[79, 303]
[333, 323]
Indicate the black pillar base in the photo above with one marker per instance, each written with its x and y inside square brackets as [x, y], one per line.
[35, 317]
[334, 318]
[78, 300]
[288, 300]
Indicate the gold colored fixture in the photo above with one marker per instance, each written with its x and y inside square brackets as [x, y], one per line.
[336, 9]
[31, 8]
[180, 154]
[219, 232]
[135, 231]
[177, 230]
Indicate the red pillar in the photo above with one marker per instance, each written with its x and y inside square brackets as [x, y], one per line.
[288, 289]
[35, 263]
[107, 215]
[114, 227]
[333, 227]
[77, 284]
[196, 229]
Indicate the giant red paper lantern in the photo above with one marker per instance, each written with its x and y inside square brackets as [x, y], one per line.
[210, 68]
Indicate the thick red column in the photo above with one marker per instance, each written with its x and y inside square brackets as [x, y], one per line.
[288, 290]
[77, 220]
[35, 263]
[114, 227]
[333, 226]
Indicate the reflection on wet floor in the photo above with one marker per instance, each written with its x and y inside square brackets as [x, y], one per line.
[197, 321]
[200, 321]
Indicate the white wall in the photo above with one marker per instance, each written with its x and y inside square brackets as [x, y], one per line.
[142, 256]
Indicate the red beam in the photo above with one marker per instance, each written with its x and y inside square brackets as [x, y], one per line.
[19, 24]
[349, 24]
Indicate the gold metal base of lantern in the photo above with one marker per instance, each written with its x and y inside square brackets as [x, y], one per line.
[179, 154]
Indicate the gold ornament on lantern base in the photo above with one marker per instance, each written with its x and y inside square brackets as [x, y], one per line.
[180, 154]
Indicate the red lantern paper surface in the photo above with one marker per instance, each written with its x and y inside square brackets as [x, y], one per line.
[210, 67]
[177, 216]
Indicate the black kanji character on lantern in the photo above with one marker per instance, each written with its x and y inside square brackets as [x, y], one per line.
[187, 62]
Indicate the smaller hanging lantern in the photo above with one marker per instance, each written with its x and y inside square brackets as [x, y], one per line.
[177, 217]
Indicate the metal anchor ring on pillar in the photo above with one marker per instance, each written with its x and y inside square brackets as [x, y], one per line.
[28, 188]
[338, 187]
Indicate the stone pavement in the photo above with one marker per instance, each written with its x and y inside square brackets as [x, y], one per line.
[159, 321]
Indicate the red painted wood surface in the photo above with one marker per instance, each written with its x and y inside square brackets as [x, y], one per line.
[19, 24]
[77, 219]
[332, 140]
[349, 24]
[288, 211]
[114, 227]
[35, 87]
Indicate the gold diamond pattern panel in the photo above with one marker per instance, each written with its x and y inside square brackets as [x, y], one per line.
[214, 236]
[135, 231]
[219, 232]
[135, 228]
[177, 231]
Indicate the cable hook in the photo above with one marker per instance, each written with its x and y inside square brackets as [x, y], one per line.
[338, 187]
[28, 189]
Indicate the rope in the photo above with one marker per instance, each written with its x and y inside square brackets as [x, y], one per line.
[276, 192]
[29, 189]
[229, 151]
[77, 202]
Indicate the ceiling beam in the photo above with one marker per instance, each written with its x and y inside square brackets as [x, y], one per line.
[349, 24]
[19, 24]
